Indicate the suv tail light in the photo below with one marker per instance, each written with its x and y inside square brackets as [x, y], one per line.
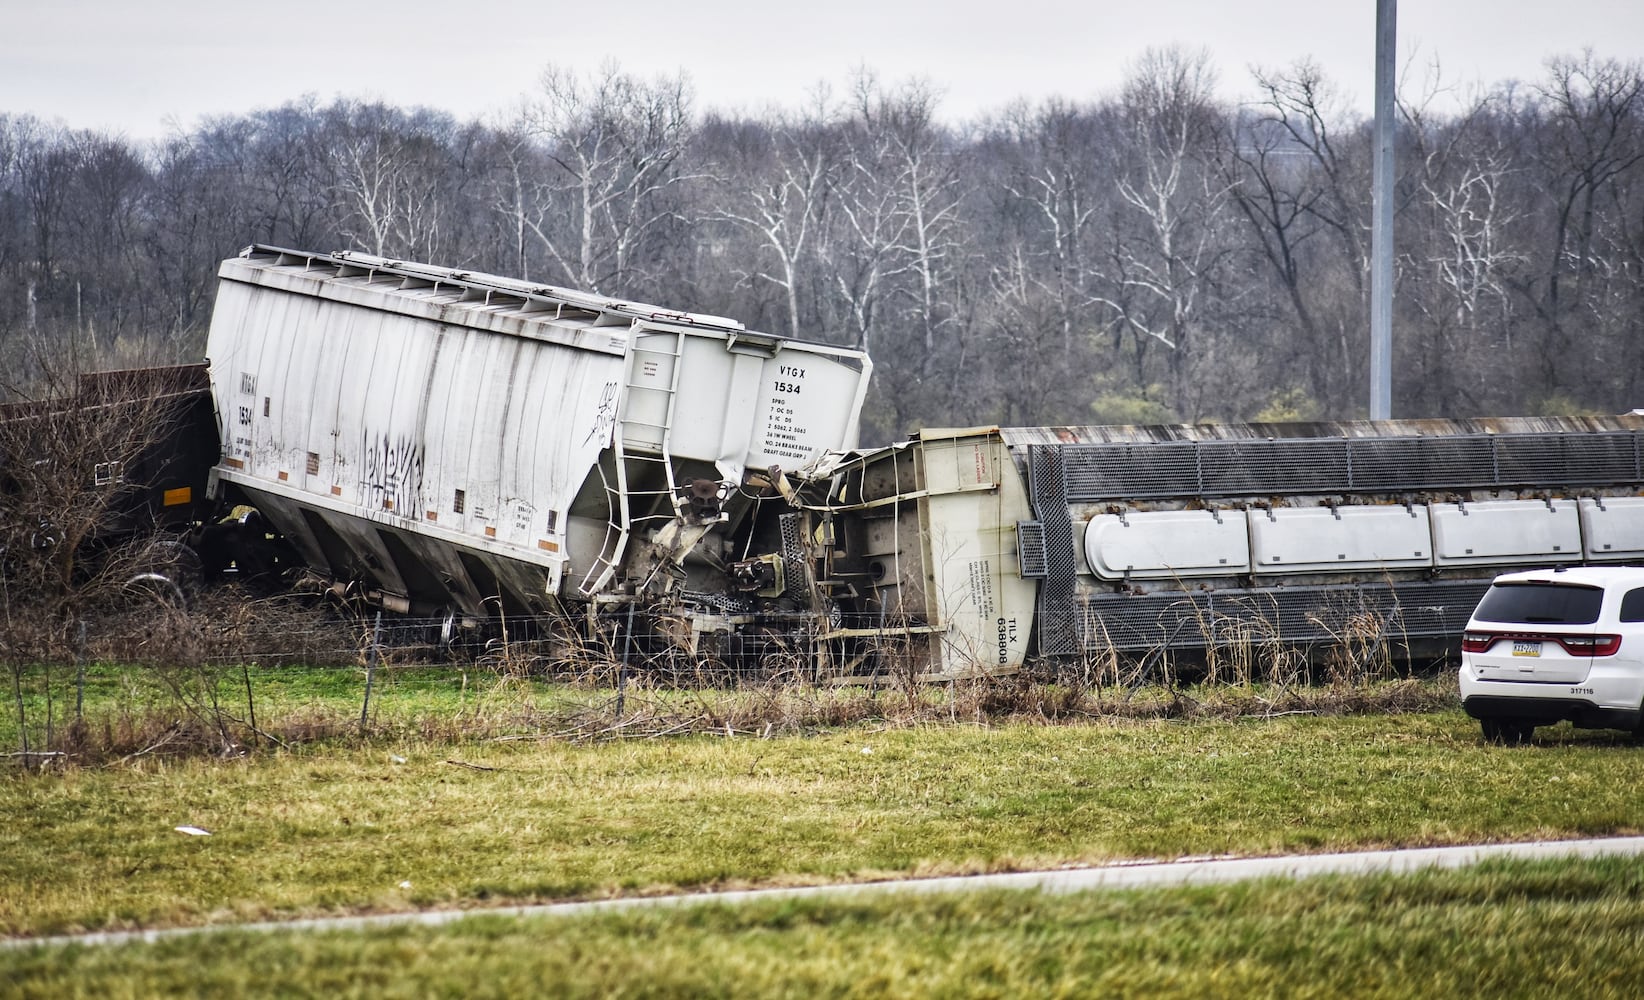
[1595, 645]
[1476, 642]
[1575, 645]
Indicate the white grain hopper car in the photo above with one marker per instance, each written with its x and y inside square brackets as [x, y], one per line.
[465, 443]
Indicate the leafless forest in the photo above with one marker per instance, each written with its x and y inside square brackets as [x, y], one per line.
[1153, 255]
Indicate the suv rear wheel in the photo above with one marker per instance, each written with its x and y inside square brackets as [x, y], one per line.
[1510, 732]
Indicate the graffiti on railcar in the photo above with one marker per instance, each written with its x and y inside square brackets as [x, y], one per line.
[605, 418]
[392, 471]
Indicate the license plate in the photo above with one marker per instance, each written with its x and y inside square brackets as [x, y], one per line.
[1526, 649]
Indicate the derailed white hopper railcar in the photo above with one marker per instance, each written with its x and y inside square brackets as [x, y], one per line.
[455, 440]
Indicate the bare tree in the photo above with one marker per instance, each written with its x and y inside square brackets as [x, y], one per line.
[520, 197]
[388, 171]
[281, 160]
[924, 182]
[615, 142]
[1169, 245]
[13, 228]
[1059, 147]
[901, 253]
[1589, 122]
[776, 192]
[860, 248]
[44, 168]
[103, 219]
[1299, 182]
[1046, 177]
[1461, 251]
[199, 210]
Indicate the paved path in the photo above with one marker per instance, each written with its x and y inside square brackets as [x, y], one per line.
[1204, 871]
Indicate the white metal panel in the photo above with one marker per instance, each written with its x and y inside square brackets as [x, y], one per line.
[808, 400]
[743, 378]
[971, 504]
[518, 452]
[746, 403]
[487, 359]
[1319, 539]
[226, 358]
[299, 426]
[715, 396]
[332, 383]
[441, 447]
[458, 434]
[652, 362]
[1165, 544]
[567, 410]
[959, 464]
[269, 448]
[391, 450]
[1613, 527]
[360, 409]
[1506, 531]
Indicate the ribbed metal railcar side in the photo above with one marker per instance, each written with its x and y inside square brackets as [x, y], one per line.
[458, 440]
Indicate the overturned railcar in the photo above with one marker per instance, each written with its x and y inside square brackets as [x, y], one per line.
[1352, 536]
[917, 556]
[464, 444]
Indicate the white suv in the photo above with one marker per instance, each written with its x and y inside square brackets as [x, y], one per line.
[1556, 644]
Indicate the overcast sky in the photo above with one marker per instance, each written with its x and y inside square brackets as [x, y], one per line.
[142, 66]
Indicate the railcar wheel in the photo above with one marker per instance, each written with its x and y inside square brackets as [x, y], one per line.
[169, 572]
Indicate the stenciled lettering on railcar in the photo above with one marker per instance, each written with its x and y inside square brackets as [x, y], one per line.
[981, 586]
[392, 471]
[785, 432]
[1007, 639]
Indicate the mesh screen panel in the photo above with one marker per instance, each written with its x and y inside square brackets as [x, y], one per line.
[1030, 549]
[1265, 467]
[1298, 615]
[1058, 623]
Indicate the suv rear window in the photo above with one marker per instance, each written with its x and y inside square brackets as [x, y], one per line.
[1540, 604]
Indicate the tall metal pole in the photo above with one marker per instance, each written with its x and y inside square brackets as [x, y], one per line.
[1381, 225]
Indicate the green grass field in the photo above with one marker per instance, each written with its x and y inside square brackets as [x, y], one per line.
[379, 827]
[1567, 929]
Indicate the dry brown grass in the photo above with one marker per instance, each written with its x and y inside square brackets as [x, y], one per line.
[231, 711]
[225, 676]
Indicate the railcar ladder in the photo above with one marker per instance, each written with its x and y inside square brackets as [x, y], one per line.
[621, 523]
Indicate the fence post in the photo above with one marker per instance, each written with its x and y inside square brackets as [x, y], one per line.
[370, 669]
[250, 704]
[80, 671]
[22, 715]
